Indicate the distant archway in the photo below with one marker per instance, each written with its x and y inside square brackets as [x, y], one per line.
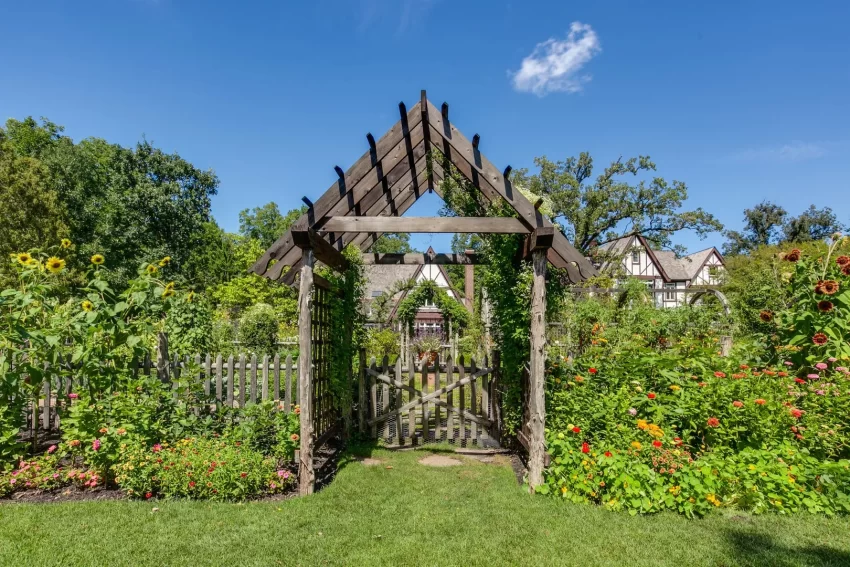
[727, 308]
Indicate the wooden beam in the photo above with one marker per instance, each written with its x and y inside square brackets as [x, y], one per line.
[420, 259]
[306, 474]
[480, 225]
[323, 250]
[537, 376]
[539, 239]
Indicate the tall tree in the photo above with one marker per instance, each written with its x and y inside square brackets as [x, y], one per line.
[266, 223]
[392, 243]
[812, 224]
[762, 225]
[593, 211]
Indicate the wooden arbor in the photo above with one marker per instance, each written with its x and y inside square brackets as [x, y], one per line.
[382, 185]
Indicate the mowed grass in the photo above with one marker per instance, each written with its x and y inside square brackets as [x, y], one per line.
[410, 514]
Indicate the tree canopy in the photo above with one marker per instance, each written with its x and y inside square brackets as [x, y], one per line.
[266, 223]
[594, 211]
[768, 223]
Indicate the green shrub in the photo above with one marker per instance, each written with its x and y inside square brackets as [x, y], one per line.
[189, 325]
[382, 342]
[215, 469]
[267, 430]
[258, 329]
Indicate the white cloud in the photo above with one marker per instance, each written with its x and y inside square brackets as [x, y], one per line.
[795, 151]
[554, 65]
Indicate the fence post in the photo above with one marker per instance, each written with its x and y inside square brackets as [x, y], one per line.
[725, 345]
[306, 473]
[162, 361]
[361, 391]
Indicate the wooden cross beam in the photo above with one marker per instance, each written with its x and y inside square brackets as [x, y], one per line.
[322, 249]
[480, 225]
[419, 259]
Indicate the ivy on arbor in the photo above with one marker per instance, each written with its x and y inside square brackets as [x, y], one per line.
[428, 290]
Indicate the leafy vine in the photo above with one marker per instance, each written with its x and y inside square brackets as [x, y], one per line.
[428, 290]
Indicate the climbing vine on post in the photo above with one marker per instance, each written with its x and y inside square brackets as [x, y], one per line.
[428, 290]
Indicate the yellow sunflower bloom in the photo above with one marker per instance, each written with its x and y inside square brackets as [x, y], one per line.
[23, 258]
[165, 261]
[65, 243]
[152, 269]
[87, 306]
[33, 263]
[168, 292]
[55, 265]
[190, 296]
[98, 259]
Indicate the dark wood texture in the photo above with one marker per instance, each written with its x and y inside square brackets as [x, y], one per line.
[478, 225]
[469, 258]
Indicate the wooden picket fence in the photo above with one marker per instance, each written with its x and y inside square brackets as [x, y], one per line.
[234, 381]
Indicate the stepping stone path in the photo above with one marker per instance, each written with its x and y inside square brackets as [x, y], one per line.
[439, 461]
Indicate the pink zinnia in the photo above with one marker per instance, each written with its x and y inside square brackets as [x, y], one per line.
[821, 366]
[157, 448]
[789, 363]
[95, 444]
[13, 481]
[280, 473]
[632, 411]
[812, 376]
[51, 449]
[841, 368]
[832, 359]
[73, 396]
[820, 392]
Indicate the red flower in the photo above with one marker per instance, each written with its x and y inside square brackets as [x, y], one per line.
[793, 255]
[782, 374]
[759, 402]
[796, 414]
[243, 475]
[799, 381]
[820, 339]
[827, 287]
[592, 370]
[607, 453]
[743, 367]
[825, 306]
[657, 444]
[192, 484]
[677, 441]
[576, 430]
[651, 395]
[148, 495]
[842, 260]
[585, 448]
[738, 404]
[702, 384]
[719, 374]
[845, 270]
[713, 422]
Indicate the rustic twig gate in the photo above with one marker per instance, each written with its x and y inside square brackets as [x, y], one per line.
[421, 403]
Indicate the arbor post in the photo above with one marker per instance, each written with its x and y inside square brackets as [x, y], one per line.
[536, 391]
[306, 474]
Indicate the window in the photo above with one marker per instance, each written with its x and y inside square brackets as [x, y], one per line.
[377, 293]
[713, 272]
[669, 292]
[649, 284]
[635, 256]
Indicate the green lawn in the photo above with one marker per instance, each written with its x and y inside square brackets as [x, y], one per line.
[410, 514]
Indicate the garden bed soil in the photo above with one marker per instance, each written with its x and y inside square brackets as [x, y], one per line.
[74, 494]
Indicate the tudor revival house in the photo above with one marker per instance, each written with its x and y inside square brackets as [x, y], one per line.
[381, 278]
[670, 278]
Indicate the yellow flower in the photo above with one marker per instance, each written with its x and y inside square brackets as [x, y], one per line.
[165, 261]
[169, 290]
[55, 265]
[642, 424]
[65, 243]
[675, 490]
[87, 306]
[33, 263]
[97, 259]
[636, 445]
[23, 258]
[152, 269]
[190, 296]
[675, 388]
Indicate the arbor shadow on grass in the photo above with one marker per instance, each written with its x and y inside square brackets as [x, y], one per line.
[755, 548]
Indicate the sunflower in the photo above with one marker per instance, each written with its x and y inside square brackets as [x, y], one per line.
[151, 269]
[766, 316]
[55, 265]
[65, 243]
[793, 255]
[842, 260]
[190, 296]
[23, 258]
[827, 287]
[87, 306]
[98, 259]
[165, 261]
[825, 306]
[820, 339]
[169, 290]
[33, 263]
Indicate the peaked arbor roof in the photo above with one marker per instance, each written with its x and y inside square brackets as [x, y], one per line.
[394, 173]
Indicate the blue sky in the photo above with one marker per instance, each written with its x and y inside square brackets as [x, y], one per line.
[743, 101]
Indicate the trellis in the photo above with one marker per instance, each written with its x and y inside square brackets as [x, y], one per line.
[367, 200]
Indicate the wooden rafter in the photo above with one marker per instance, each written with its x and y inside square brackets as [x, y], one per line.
[463, 225]
[419, 259]
[393, 174]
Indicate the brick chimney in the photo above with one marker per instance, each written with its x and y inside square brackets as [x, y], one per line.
[469, 283]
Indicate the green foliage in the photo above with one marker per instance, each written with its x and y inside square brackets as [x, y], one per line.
[427, 290]
[189, 325]
[607, 208]
[214, 469]
[392, 243]
[265, 429]
[768, 223]
[266, 224]
[258, 329]
[380, 343]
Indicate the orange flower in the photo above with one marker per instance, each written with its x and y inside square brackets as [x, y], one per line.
[719, 374]
[842, 260]
[759, 401]
[738, 404]
[827, 287]
[713, 422]
[820, 339]
[294, 437]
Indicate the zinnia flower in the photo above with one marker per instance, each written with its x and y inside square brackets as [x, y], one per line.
[55, 265]
[799, 381]
[651, 395]
[766, 315]
[576, 430]
[842, 260]
[73, 395]
[95, 445]
[719, 374]
[294, 437]
[793, 255]
[821, 366]
[713, 422]
[98, 259]
[738, 404]
[657, 444]
[759, 401]
[825, 306]
[51, 449]
[796, 414]
[585, 448]
[636, 445]
[812, 376]
[632, 411]
[607, 453]
[820, 339]
[592, 370]
[191, 484]
[845, 270]
[148, 495]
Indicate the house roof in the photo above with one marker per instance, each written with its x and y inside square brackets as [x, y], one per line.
[382, 277]
[671, 267]
[675, 268]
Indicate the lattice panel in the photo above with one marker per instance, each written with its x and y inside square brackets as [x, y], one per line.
[325, 410]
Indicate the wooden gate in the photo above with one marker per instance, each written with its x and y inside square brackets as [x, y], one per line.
[440, 402]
